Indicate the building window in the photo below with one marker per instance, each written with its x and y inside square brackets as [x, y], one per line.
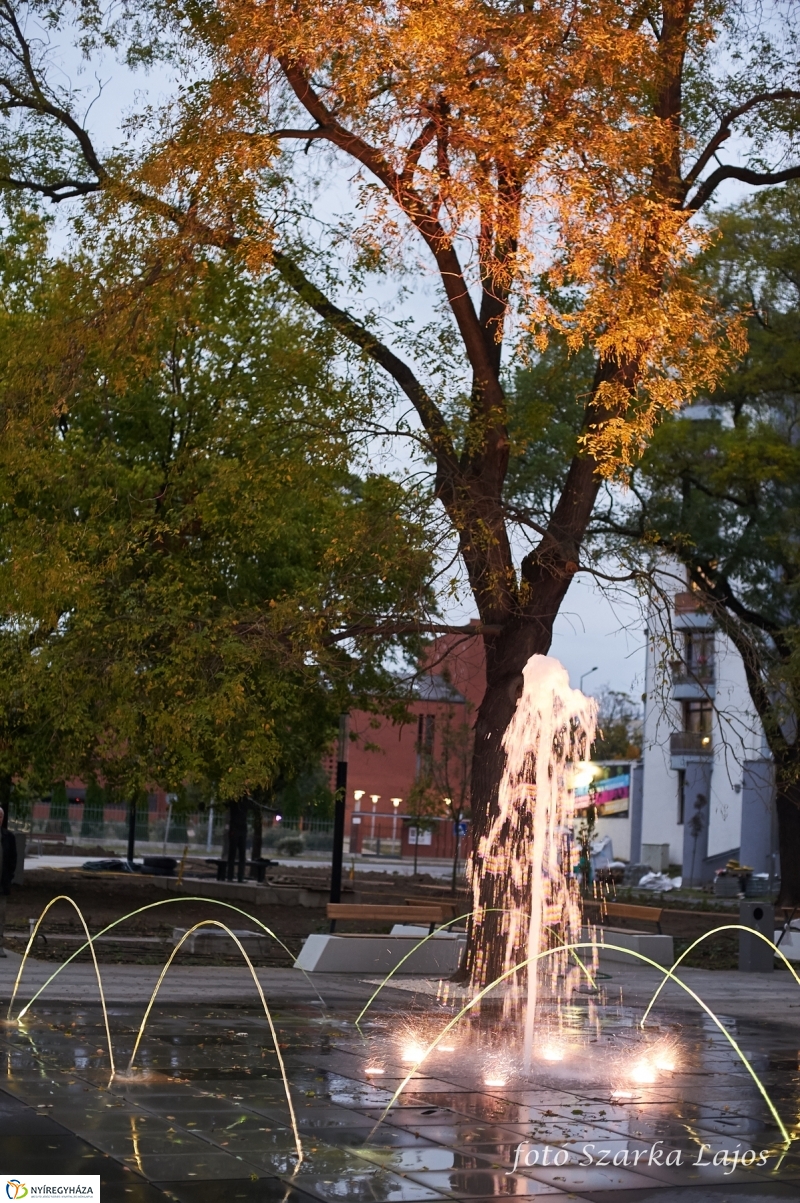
[699, 652]
[681, 794]
[426, 729]
[697, 716]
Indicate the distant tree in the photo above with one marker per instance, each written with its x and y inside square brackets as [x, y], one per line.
[619, 727]
[182, 536]
[93, 809]
[305, 794]
[59, 809]
[444, 764]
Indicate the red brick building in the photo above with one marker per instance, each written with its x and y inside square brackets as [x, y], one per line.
[385, 756]
[385, 760]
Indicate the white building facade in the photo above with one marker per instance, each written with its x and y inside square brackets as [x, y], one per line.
[707, 787]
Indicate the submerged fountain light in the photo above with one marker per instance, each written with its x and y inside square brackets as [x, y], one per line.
[552, 1052]
[643, 1073]
[414, 1053]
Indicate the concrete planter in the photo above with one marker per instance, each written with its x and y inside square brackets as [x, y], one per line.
[368, 954]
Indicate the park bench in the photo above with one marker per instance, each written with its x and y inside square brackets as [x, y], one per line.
[430, 913]
[451, 907]
[625, 910]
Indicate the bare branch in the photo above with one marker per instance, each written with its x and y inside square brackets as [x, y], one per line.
[429, 413]
[724, 130]
[409, 628]
[745, 176]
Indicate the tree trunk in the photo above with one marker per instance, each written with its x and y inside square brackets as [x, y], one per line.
[788, 807]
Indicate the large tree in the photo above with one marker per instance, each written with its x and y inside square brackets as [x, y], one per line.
[181, 527]
[539, 165]
[719, 490]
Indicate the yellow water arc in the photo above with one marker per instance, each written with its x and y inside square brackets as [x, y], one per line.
[274, 1034]
[707, 935]
[139, 910]
[586, 944]
[89, 944]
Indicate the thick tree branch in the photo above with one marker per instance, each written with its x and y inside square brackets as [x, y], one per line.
[724, 130]
[425, 222]
[303, 135]
[65, 189]
[429, 413]
[745, 175]
[722, 611]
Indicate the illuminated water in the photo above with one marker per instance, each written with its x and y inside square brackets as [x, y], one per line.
[207, 1112]
[528, 847]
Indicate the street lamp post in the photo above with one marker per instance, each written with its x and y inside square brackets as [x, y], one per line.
[395, 803]
[588, 673]
[339, 814]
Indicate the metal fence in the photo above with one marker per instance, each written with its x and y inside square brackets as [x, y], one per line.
[202, 832]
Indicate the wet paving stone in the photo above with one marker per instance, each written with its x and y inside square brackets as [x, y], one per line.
[205, 1118]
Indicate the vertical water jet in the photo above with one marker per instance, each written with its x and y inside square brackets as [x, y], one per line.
[528, 845]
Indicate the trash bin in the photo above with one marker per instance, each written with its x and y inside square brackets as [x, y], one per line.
[756, 956]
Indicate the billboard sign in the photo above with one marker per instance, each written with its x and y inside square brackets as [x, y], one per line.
[609, 789]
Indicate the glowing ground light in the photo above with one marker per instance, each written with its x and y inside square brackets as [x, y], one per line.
[643, 1072]
[493, 1081]
[374, 1069]
[665, 1062]
[414, 1053]
[551, 1052]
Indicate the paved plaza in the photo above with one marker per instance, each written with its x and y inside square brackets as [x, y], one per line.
[204, 1116]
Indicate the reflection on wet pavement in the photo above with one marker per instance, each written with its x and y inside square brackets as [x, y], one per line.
[671, 1114]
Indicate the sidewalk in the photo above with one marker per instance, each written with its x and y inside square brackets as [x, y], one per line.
[183, 983]
[744, 996]
[403, 868]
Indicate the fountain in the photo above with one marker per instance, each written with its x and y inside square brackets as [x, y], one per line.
[558, 1080]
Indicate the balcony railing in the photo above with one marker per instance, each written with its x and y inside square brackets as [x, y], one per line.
[690, 743]
[692, 674]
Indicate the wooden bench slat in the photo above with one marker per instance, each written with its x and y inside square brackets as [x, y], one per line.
[355, 910]
[628, 911]
[625, 910]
